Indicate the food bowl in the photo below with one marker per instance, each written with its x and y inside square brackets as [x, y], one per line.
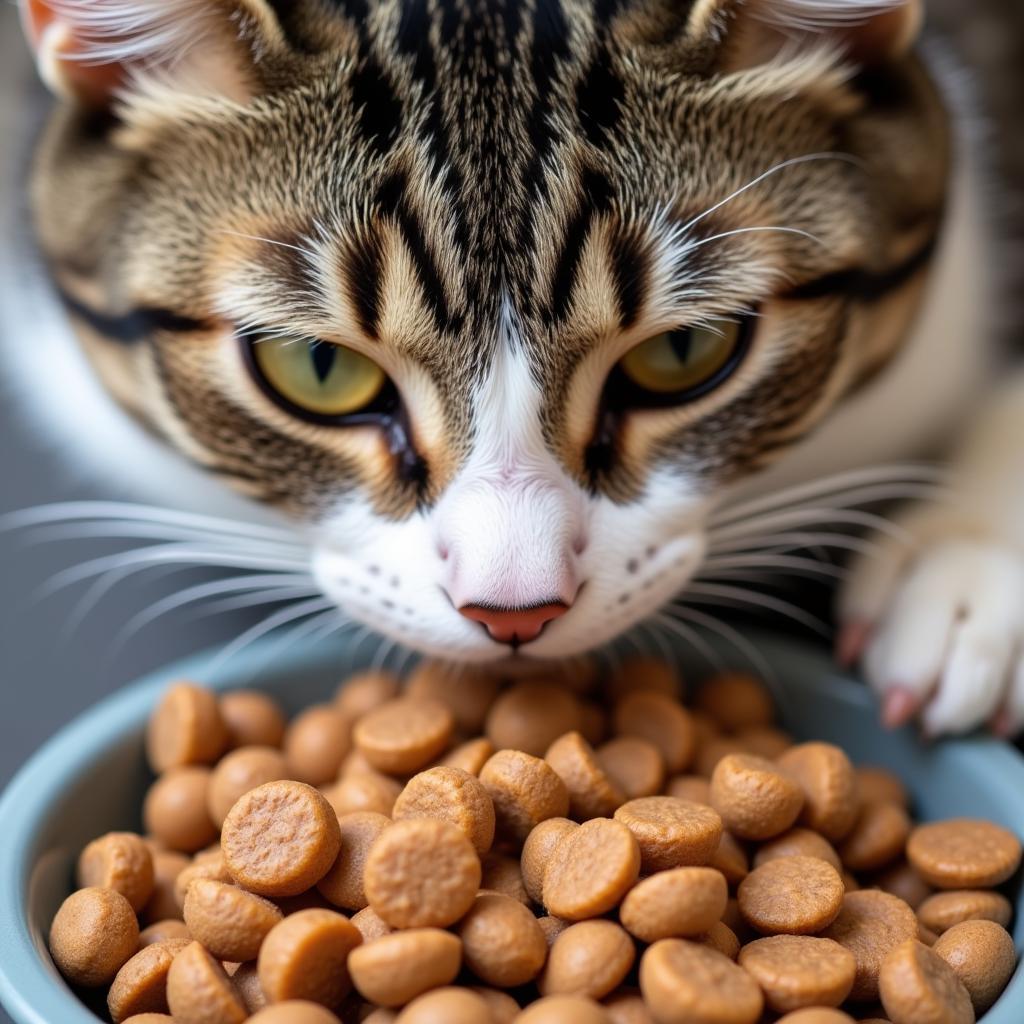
[91, 777]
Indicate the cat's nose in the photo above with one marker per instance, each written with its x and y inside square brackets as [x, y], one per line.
[514, 625]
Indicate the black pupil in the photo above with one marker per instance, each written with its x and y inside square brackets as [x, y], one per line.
[323, 357]
[681, 341]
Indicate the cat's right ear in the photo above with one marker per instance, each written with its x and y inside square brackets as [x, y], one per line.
[88, 50]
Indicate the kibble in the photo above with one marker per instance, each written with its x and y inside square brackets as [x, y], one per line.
[916, 984]
[93, 935]
[671, 833]
[755, 799]
[252, 719]
[963, 853]
[982, 955]
[798, 842]
[295, 1011]
[199, 990]
[238, 772]
[395, 969]
[120, 861]
[795, 971]
[663, 722]
[185, 729]
[363, 791]
[531, 716]
[364, 692]
[467, 691]
[562, 1009]
[588, 959]
[791, 896]
[537, 851]
[163, 931]
[446, 1006]
[343, 884]
[175, 809]
[829, 782]
[524, 790]
[634, 765]
[877, 838]
[502, 944]
[591, 793]
[945, 909]
[141, 984]
[736, 701]
[316, 744]
[452, 795]
[682, 902]
[404, 735]
[228, 921]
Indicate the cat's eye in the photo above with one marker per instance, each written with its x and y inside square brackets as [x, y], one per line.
[317, 379]
[678, 366]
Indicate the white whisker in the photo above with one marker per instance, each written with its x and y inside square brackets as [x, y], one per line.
[726, 632]
[692, 637]
[796, 540]
[717, 593]
[812, 517]
[786, 564]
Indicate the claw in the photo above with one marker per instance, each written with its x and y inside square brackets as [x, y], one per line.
[850, 644]
[1002, 725]
[899, 706]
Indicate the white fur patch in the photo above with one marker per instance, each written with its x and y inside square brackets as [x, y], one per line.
[821, 15]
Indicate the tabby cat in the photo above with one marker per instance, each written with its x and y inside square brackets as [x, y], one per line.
[516, 309]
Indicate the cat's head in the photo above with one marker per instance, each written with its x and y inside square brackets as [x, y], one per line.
[496, 298]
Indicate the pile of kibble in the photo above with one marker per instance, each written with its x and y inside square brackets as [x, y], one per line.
[566, 851]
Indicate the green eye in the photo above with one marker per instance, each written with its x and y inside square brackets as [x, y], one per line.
[317, 377]
[680, 365]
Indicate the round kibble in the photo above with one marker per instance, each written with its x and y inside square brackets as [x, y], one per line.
[421, 872]
[822, 1015]
[370, 925]
[879, 785]
[467, 691]
[877, 837]
[735, 701]
[722, 938]
[537, 850]
[798, 842]
[295, 1011]
[672, 833]
[588, 959]
[447, 1006]
[238, 772]
[712, 750]
[916, 984]
[591, 793]
[162, 903]
[175, 810]
[552, 927]
[684, 982]
[202, 866]
[502, 1006]
[693, 788]
[93, 935]
[562, 1010]
[633, 765]
[452, 795]
[247, 983]
[305, 956]
[981, 954]
[529, 717]
[963, 853]
[660, 720]
[502, 944]
[363, 791]
[799, 970]
[470, 756]
[395, 969]
[252, 719]
[755, 799]
[120, 861]
[870, 925]
[764, 741]
[150, 1018]
[365, 692]
[591, 870]
[163, 931]
[682, 902]
[404, 735]
[280, 839]
[829, 783]
[791, 896]
[902, 880]
[642, 672]
[945, 909]
[141, 984]
[200, 992]
[228, 921]
[626, 1007]
[503, 874]
[525, 791]
[731, 859]
[343, 884]
[185, 729]
[316, 743]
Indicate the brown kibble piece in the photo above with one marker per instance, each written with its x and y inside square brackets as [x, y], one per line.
[421, 872]
[467, 691]
[316, 743]
[642, 672]
[537, 850]
[735, 701]
[712, 750]
[829, 783]
[529, 717]
[672, 833]
[902, 880]
[150, 1018]
[634, 765]
[764, 741]
[502, 944]
[365, 692]
[228, 921]
[502, 1006]
[661, 721]
[452, 795]
[627, 1007]
[470, 756]
[588, 959]
[363, 791]
[552, 927]
[163, 931]
[203, 866]
[693, 788]
[305, 957]
[120, 861]
[963, 853]
[252, 719]
[682, 902]
[447, 1006]
[591, 870]
[870, 925]
[721, 938]
[731, 859]
[562, 1010]
[162, 903]
[343, 884]
[916, 984]
[370, 925]
[879, 785]
[175, 810]
[684, 982]
[525, 791]
[295, 1011]
[981, 954]
[591, 793]
[397, 968]
[247, 983]
[799, 970]
[798, 842]
[185, 729]
[945, 909]
[877, 838]
[280, 839]
[200, 992]
[404, 735]
[822, 1015]
[503, 874]
[754, 798]
[141, 984]
[93, 935]
[791, 896]
[238, 772]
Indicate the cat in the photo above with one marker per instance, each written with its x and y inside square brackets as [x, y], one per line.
[528, 314]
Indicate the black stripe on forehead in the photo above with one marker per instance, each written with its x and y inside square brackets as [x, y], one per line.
[362, 264]
[133, 326]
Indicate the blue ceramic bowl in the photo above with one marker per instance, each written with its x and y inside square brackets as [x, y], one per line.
[90, 778]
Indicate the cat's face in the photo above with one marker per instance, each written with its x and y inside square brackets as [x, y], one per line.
[495, 299]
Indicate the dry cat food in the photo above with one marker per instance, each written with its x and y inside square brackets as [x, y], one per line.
[577, 851]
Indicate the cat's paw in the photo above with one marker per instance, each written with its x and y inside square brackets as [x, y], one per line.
[937, 618]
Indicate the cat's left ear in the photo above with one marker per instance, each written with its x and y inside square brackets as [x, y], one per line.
[748, 33]
[86, 50]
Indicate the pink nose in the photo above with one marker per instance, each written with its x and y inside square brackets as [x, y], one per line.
[514, 625]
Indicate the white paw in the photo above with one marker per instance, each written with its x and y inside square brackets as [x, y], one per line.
[939, 623]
